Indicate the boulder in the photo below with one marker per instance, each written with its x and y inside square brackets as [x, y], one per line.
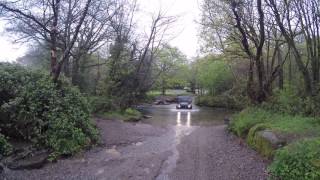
[35, 160]
[147, 116]
[271, 138]
[266, 142]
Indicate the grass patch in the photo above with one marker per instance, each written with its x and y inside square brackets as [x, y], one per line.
[299, 155]
[281, 123]
[126, 115]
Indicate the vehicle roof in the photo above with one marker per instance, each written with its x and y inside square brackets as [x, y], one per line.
[185, 98]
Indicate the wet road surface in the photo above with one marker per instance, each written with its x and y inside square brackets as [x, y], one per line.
[173, 144]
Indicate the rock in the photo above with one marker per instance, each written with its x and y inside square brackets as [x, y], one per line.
[226, 121]
[266, 142]
[34, 161]
[1, 168]
[271, 137]
[159, 102]
[147, 116]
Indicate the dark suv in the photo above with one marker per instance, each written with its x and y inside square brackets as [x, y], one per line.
[184, 102]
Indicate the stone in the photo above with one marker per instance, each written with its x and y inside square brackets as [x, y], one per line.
[266, 142]
[147, 116]
[271, 137]
[36, 161]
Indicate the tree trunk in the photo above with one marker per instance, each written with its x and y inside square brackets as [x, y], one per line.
[163, 87]
[280, 61]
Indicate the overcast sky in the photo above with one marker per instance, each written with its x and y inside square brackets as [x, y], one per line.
[185, 29]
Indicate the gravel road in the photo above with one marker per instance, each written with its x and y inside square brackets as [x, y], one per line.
[172, 145]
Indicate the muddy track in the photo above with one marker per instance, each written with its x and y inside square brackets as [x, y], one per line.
[148, 151]
[143, 151]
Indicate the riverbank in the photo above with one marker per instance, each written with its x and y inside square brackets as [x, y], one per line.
[291, 142]
[221, 101]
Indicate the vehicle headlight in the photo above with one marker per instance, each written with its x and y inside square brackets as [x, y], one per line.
[179, 105]
[189, 106]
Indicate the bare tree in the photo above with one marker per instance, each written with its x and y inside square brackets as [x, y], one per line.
[43, 22]
[296, 18]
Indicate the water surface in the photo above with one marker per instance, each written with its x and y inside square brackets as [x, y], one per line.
[198, 116]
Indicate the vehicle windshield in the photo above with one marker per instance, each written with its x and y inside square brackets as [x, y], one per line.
[184, 99]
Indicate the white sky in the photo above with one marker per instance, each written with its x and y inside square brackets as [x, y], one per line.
[185, 29]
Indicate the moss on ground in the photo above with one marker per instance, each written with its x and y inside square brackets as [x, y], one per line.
[260, 144]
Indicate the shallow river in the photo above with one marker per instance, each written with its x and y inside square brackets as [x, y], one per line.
[197, 116]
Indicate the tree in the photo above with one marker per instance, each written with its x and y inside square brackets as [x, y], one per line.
[248, 25]
[170, 66]
[301, 17]
[43, 21]
[132, 56]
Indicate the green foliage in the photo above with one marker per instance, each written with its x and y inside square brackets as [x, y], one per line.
[281, 123]
[286, 101]
[125, 115]
[297, 161]
[5, 147]
[214, 75]
[230, 99]
[53, 116]
[171, 68]
[132, 112]
[248, 118]
[290, 101]
[101, 104]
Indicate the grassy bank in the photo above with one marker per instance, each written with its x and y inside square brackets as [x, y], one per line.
[220, 101]
[292, 142]
[170, 93]
[126, 115]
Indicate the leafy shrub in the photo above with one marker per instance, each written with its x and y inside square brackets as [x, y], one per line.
[297, 161]
[5, 147]
[223, 100]
[214, 75]
[127, 115]
[132, 112]
[101, 104]
[246, 119]
[50, 115]
[289, 101]
[286, 101]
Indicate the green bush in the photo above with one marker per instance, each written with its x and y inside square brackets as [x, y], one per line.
[5, 147]
[298, 161]
[223, 101]
[132, 112]
[248, 118]
[50, 115]
[289, 101]
[101, 104]
[129, 114]
[286, 101]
